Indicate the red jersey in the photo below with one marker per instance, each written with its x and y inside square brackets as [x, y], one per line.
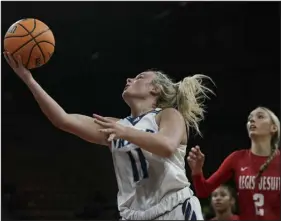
[233, 217]
[257, 200]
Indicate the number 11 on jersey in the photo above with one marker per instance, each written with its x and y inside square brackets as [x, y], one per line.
[141, 173]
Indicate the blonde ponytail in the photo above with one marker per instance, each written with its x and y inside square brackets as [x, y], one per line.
[190, 99]
[187, 96]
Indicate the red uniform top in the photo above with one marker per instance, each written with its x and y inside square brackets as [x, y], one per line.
[257, 200]
[233, 217]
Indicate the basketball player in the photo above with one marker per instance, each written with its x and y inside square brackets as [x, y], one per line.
[223, 203]
[148, 147]
[256, 171]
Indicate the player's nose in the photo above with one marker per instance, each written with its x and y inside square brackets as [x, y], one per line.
[252, 120]
[129, 80]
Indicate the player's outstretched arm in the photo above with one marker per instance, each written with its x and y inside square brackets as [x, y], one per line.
[80, 125]
[204, 187]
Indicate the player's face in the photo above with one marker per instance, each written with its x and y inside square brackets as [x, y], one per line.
[221, 199]
[260, 124]
[140, 86]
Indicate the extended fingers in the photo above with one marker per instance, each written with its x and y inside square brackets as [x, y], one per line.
[7, 58]
[111, 137]
[19, 61]
[101, 123]
[107, 130]
[191, 156]
[190, 159]
[101, 118]
[197, 152]
[10, 59]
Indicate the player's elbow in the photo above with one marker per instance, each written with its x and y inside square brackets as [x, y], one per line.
[168, 148]
[62, 123]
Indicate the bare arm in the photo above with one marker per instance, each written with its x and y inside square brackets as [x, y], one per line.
[171, 134]
[80, 125]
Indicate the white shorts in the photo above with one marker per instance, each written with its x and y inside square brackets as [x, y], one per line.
[189, 210]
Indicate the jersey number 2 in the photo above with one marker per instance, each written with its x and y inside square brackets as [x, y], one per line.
[138, 175]
[259, 202]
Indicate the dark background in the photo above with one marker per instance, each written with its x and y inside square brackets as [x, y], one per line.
[48, 174]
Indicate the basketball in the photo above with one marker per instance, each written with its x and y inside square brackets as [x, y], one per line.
[32, 40]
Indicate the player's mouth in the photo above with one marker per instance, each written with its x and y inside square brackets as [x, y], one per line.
[218, 204]
[127, 85]
[253, 127]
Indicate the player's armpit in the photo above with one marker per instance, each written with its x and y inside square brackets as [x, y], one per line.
[85, 128]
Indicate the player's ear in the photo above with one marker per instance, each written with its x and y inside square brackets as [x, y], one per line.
[274, 128]
[155, 90]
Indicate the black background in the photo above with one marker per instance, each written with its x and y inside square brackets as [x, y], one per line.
[51, 174]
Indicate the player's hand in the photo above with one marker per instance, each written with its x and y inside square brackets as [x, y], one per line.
[110, 127]
[195, 160]
[17, 66]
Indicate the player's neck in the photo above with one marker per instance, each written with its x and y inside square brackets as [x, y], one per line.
[261, 147]
[139, 111]
[140, 108]
[225, 215]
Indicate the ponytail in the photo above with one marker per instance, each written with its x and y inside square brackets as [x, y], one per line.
[187, 96]
[191, 95]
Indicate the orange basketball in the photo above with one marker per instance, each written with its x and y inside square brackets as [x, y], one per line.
[32, 40]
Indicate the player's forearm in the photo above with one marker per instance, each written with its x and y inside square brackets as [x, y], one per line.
[204, 187]
[152, 142]
[201, 186]
[47, 104]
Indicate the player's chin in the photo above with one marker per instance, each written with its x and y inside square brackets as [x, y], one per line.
[219, 207]
[253, 134]
[126, 95]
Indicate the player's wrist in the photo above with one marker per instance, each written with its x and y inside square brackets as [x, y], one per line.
[126, 133]
[28, 80]
[197, 172]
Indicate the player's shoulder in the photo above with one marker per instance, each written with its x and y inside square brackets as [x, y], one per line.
[169, 115]
[239, 153]
[170, 112]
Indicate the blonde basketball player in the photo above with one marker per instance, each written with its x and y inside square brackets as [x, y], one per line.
[148, 147]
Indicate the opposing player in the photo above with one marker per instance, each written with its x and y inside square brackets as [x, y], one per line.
[148, 147]
[223, 203]
[256, 170]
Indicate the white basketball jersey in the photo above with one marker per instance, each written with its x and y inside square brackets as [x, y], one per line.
[147, 181]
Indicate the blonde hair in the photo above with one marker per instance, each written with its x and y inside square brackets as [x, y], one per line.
[275, 139]
[187, 96]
